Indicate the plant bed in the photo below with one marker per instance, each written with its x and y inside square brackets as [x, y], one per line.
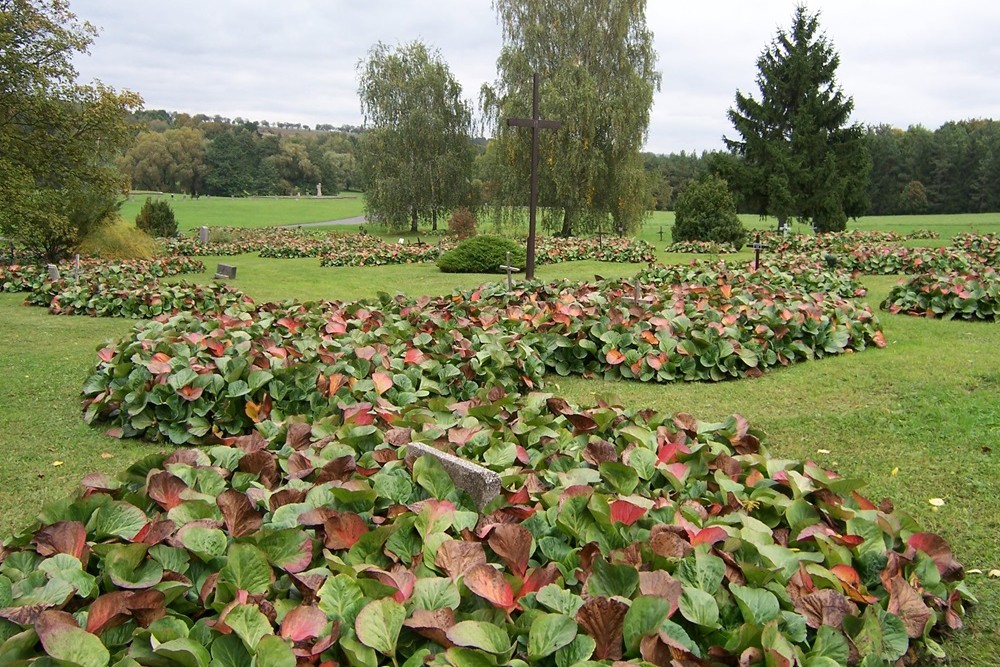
[984, 246]
[961, 296]
[701, 247]
[195, 377]
[619, 535]
[30, 277]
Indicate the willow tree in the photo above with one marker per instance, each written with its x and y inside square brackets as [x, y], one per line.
[59, 140]
[417, 150]
[597, 67]
[798, 156]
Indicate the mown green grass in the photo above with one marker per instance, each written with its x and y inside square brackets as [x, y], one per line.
[917, 420]
[252, 211]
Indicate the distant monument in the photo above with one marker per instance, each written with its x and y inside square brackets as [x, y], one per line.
[319, 189]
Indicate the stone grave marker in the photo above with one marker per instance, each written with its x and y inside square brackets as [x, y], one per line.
[637, 296]
[53, 272]
[203, 235]
[482, 484]
[223, 271]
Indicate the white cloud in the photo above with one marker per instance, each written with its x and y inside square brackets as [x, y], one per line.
[904, 62]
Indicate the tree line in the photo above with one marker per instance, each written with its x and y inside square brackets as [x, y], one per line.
[69, 151]
[199, 155]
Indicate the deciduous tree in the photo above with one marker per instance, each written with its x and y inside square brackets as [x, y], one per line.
[417, 153]
[799, 156]
[59, 140]
[597, 67]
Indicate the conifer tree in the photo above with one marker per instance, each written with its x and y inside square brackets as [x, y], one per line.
[798, 155]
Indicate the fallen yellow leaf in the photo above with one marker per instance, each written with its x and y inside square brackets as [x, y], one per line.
[822, 451]
[936, 502]
[895, 471]
[106, 455]
[57, 463]
[995, 574]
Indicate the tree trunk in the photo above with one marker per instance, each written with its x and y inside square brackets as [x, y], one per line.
[782, 222]
[413, 221]
[569, 217]
[434, 220]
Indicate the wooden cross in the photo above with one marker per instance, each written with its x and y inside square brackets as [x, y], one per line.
[638, 298]
[534, 123]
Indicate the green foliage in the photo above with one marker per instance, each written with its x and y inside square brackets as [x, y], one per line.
[416, 155]
[706, 212]
[58, 139]
[948, 295]
[156, 218]
[601, 90]
[280, 538]
[482, 254]
[118, 240]
[796, 156]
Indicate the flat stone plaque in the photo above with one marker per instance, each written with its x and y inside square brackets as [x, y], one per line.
[482, 484]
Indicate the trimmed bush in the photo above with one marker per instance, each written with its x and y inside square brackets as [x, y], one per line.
[157, 219]
[482, 254]
[706, 212]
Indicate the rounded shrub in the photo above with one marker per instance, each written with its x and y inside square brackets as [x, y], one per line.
[705, 211]
[156, 218]
[482, 254]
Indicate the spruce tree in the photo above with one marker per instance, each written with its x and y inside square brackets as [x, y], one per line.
[798, 156]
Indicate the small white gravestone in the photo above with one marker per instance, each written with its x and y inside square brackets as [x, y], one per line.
[53, 272]
[319, 189]
[203, 235]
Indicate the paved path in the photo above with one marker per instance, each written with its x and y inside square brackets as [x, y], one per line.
[358, 220]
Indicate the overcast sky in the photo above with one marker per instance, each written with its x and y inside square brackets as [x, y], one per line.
[905, 62]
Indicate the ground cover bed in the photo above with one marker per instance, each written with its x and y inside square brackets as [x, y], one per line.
[620, 535]
[701, 247]
[948, 295]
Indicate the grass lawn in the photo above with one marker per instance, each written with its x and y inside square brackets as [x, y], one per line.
[252, 211]
[917, 420]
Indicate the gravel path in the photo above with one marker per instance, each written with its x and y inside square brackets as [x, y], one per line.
[358, 220]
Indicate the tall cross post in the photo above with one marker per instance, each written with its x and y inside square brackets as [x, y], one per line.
[534, 123]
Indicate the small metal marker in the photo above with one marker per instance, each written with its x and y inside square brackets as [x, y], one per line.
[661, 232]
[600, 238]
[76, 268]
[756, 251]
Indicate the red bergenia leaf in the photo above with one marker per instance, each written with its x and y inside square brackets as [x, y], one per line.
[106, 354]
[457, 557]
[190, 393]
[159, 363]
[614, 357]
[433, 625]
[622, 511]
[165, 488]
[512, 543]
[538, 579]
[262, 464]
[603, 619]
[908, 605]
[383, 382]
[709, 535]
[240, 515]
[343, 530]
[825, 607]
[939, 550]
[303, 622]
[487, 582]
[600, 451]
[108, 611]
[62, 537]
